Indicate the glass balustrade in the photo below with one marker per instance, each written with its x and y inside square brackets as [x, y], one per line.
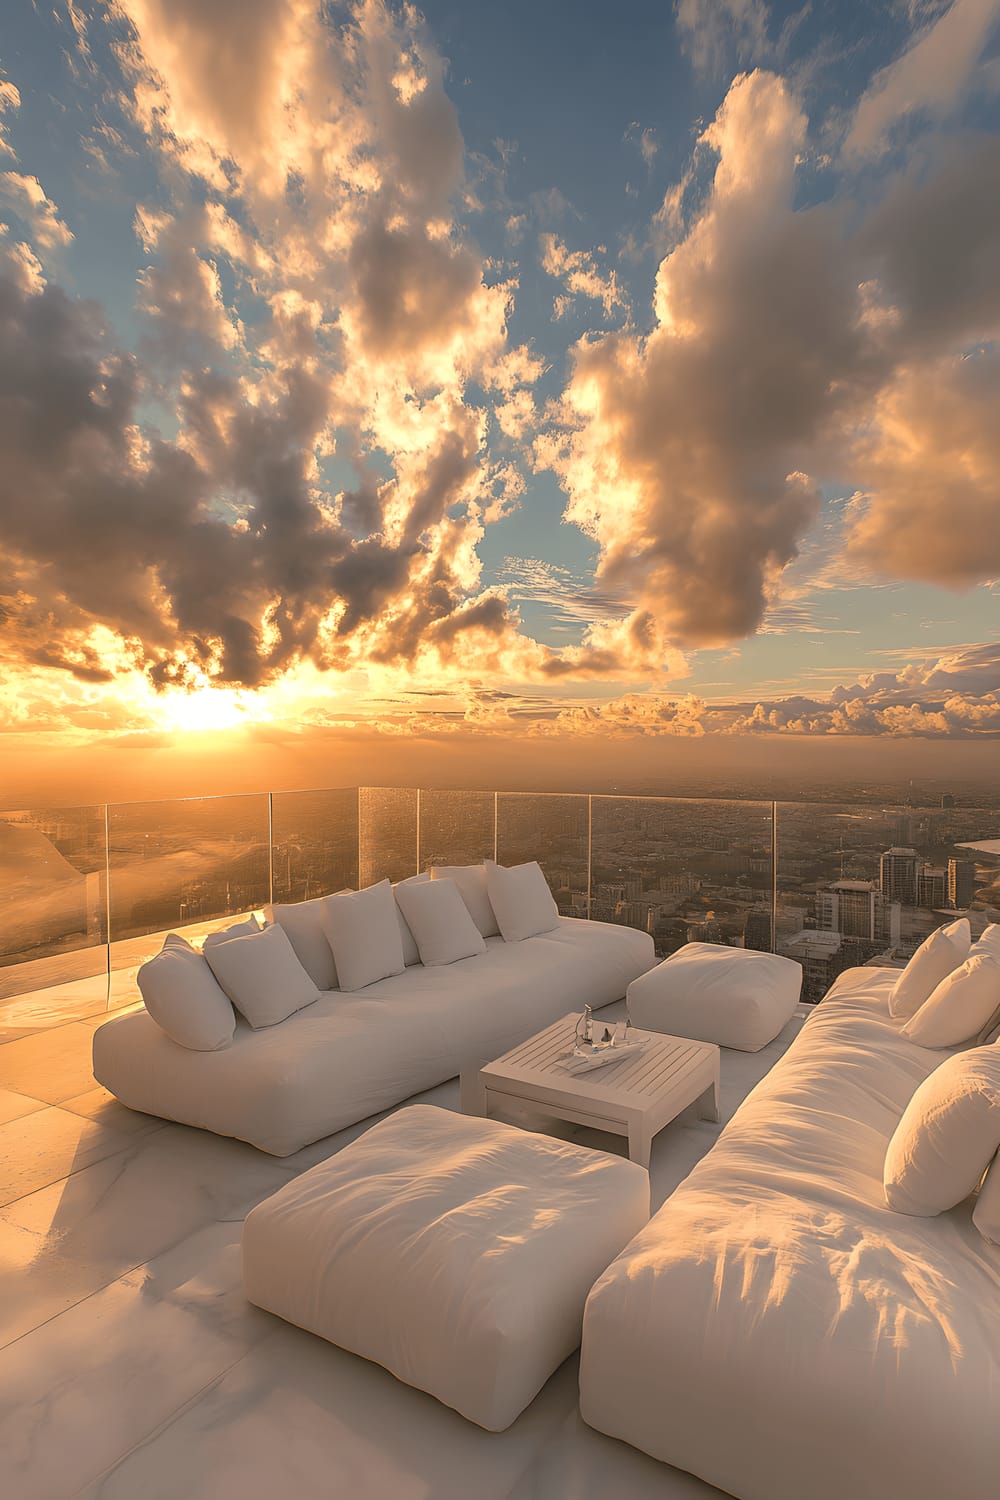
[683, 870]
[554, 829]
[456, 828]
[314, 843]
[88, 893]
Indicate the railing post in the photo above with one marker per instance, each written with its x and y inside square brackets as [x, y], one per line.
[496, 828]
[418, 831]
[590, 849]
[774, 877]
[270, 848]
[107, 898]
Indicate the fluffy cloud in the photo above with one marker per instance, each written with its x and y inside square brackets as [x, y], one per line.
[580, 275]
[930, 77]
[713, 29]
[26, 196]
[695, 430]
[308, 294]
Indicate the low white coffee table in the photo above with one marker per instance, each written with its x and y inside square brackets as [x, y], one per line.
[635, 1096]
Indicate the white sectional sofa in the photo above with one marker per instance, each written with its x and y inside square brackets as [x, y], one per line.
[350, 1055]
[776, 1329]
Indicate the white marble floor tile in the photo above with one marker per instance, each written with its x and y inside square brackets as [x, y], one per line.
[101, 1106]
[13, 1106]
[71, 1239]
[46, 1009]
[300, 1418]
[51, 1065]
[49, 1144]
[578, 1463]
[92, 1383]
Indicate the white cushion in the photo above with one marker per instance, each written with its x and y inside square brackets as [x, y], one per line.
[226, 934]
[363, 930]
[949, 1132]
[988, 940]
[440, 922]
[961, 1005]
[521, 900]
[302, 924]
[986, 1214]
[734, 997]
[944, 950]
[411, 953]
[472, 887]
[184, 999]
[456, 1252]
[262, 976]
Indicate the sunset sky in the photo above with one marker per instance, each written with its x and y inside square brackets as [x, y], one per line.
[494, 379]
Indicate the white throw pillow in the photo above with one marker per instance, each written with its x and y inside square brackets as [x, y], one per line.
[986, 1214]
[226, 934]
[184, 999]
[988, 940]
[472, 887]
[302, 924]
[949, 1132]
[521, 899]
[411, 954]
[362, 928]
[440, 921]
[944, 950]
[262, 976]
[960, 1006]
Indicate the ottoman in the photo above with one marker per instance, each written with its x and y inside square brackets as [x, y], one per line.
[456, 1252]
[707, 992]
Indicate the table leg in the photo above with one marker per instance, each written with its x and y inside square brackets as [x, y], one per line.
[708, 1104]
[639, 1144]
[472, 1092]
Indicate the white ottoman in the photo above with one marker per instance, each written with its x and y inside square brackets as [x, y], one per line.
[456, 1252]
[734, 997]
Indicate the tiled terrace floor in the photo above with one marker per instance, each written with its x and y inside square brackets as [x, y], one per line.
[132, 1367]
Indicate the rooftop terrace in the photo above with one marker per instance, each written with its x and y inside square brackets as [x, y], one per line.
[131, 1363]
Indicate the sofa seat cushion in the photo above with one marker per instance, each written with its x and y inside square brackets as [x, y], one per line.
[349, 1056]
[734, 997]
[777, 1329]
[455, 1252]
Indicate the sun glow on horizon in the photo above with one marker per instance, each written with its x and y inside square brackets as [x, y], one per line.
[207, 709]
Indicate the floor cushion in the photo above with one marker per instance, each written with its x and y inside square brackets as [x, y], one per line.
[734, 997]
[456, 1252]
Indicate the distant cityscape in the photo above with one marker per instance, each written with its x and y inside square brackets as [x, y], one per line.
[831, 885]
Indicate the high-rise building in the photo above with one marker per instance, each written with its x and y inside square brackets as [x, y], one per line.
[961, 883]
[932, 888]
[848, 907]
[757, 929]
[898, 875]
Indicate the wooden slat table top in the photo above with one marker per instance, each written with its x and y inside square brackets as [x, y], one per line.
[665, 1063]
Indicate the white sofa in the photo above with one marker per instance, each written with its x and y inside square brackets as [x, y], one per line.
[776, 1329]
[351, 1055]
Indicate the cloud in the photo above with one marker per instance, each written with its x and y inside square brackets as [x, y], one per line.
[714, 30]
[10, 100]
[679, 450]
[26, 196]
[579, 273]
[929, 79]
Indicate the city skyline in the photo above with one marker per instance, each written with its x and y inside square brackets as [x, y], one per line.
[432, 390]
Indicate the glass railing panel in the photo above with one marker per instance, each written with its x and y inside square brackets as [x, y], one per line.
[315, 843]
[865, 884]
[183, 866]
[53, 903]
[456, 828]
[552, 828]
[387, 833]
[683, 870]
